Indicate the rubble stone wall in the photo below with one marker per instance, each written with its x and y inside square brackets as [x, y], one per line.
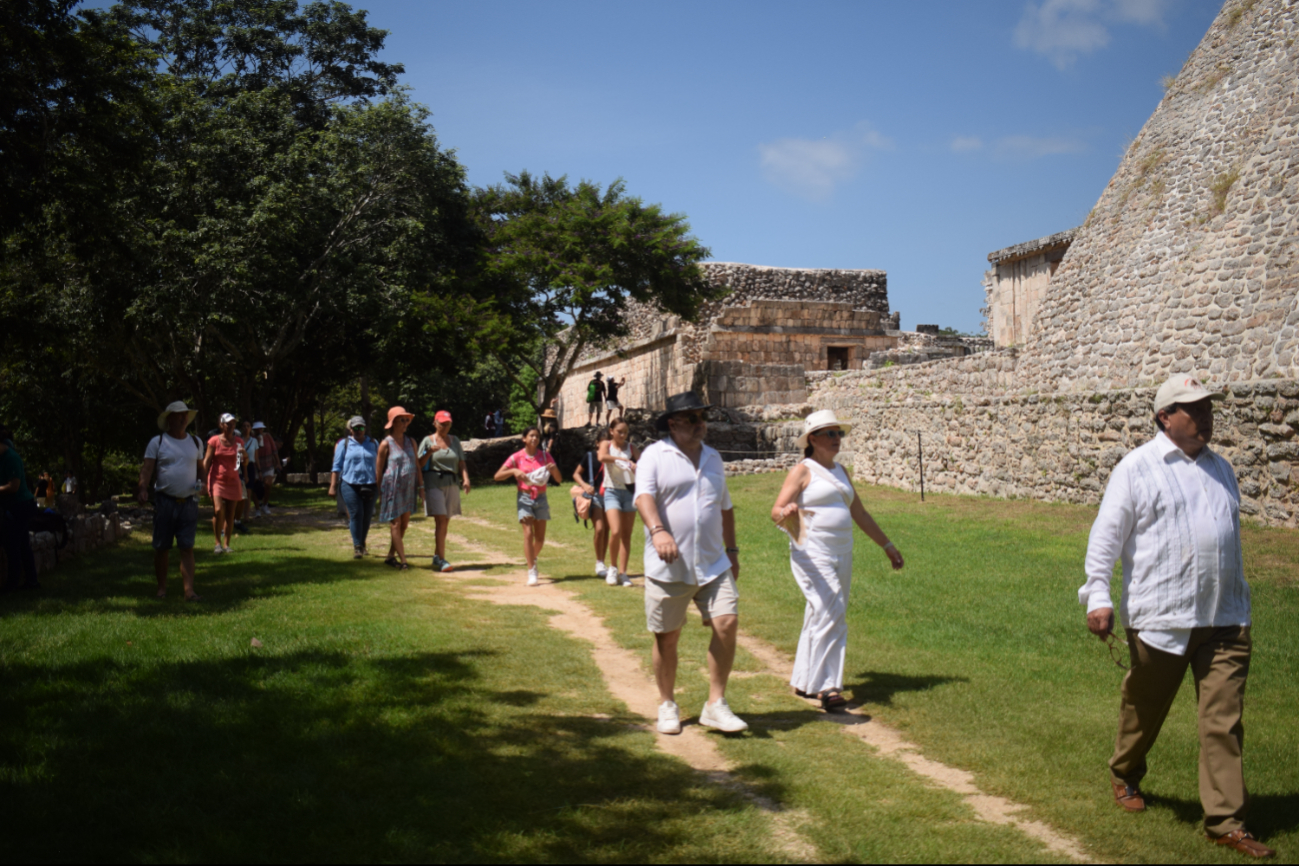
[1055, 446]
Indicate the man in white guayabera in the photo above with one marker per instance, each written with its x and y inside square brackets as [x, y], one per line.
[690, 555]
[1171, 513]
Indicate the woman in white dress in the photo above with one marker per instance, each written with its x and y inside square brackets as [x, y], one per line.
[818, 506]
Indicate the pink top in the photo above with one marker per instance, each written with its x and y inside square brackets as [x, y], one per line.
[521, 460]
[223, 477]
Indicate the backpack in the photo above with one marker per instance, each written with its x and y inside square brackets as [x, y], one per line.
[593, 390]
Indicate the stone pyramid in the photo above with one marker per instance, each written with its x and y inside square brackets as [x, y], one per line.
[1190, 259]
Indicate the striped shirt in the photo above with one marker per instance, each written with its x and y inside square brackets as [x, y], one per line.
[1174, 523]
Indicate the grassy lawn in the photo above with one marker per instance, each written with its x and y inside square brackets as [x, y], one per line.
[977, 651]
[387, 717]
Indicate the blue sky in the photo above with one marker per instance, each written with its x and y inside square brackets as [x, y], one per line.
[915, 137]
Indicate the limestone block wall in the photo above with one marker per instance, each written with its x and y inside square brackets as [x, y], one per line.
[792, 332]
[653, 370]
[1190, 259]
[1060, 446]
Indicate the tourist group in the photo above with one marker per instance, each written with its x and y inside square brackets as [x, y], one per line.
[1170, 515]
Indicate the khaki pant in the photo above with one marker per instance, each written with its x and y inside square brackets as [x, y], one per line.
[1219, 662]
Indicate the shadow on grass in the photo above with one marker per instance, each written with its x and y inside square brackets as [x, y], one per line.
[121, 579]
[877, 687]
[323, 756]
[1269, 814]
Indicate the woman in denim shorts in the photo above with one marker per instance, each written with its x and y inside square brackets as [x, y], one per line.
[619, 458]
[531, 469]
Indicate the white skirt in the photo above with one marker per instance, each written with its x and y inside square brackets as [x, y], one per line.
[825, 579]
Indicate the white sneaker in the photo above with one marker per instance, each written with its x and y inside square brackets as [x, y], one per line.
[611, 575]
[227, 549]
[669, 718]
[599, 568]
[718, 715]
[624, 580]
[533, 576]
[218, 549]
[266, 509]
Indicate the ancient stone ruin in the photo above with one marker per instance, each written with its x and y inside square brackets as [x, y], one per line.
[754, 347]
[1188, 263]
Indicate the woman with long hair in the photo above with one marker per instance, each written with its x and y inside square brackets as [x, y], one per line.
[531, 468]
[819, 494]
[619, 456]
[398, 470]
[221, 465]
[589, 476]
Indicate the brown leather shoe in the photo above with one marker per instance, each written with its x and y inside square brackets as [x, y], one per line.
[1241, 840]
[1129, 797]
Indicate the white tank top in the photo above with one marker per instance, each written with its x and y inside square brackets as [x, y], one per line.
[829, 526]
[619, 475]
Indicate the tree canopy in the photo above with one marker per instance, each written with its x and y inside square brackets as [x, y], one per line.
[564, 260]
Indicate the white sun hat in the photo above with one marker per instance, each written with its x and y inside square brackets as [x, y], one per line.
[819, 421]
[172, 408]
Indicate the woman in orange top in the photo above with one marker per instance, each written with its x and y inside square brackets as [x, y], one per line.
[221, 465]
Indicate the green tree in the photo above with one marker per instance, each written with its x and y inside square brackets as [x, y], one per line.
[563, 261]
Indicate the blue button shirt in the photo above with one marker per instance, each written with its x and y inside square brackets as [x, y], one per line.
[354, 461]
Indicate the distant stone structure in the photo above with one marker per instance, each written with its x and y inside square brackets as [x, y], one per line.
[751, 348]
[1188, 263]
[1016, 284]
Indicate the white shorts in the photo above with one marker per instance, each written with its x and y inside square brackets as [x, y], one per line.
[666, 604]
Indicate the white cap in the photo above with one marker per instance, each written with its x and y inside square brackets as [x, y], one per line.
[226, 418]
[1182, 388]
[819, 421]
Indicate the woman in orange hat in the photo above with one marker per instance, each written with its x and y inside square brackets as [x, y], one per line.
[443, 463]
[398, 470]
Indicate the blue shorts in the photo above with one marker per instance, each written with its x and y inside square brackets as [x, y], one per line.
[537, 509]
[619, 500]
[174, 519]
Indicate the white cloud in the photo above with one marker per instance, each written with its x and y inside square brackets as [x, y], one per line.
[1032, 147]
[1064, 30]
[966, 143]
[812, 168]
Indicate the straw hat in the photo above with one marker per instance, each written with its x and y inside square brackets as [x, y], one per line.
[172, 408]
[394, 413]
[819, 421]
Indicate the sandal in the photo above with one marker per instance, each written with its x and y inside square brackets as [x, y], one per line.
[401, 566]
[392, 561]
[194, 597]
[802, 694]
[832, 701]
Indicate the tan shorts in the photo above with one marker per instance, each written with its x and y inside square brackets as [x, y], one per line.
[666, 604]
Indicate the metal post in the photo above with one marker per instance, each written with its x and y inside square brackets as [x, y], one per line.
[921, 450]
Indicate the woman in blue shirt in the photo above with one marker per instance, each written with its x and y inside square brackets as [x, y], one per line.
[354, 460]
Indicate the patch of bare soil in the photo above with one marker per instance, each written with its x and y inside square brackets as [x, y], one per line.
[621, 670]
[891, 744]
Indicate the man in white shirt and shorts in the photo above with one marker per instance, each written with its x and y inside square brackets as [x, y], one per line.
[177, 455]
[690, 556]
[1171, 514]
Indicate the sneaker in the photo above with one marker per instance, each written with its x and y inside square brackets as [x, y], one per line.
[227, 549]
[356, 553]
[718, 715]
[624, 580]
[218, 549]
[446, 566]
[265, 510]
[440, 564]
[669, 718]
[533, 576]
[599, 569]
[611, 576]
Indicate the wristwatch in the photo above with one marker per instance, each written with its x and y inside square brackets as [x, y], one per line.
[732, 550]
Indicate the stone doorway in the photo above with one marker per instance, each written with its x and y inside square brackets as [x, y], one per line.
[838, 357]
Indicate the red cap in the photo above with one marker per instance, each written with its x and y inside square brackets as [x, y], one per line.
[443, 417]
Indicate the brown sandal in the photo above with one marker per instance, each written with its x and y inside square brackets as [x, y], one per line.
[832, 701]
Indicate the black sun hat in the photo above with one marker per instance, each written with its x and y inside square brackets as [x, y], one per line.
[687, 401]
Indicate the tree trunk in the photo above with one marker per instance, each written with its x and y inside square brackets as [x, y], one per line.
[367, 408]
[311, 445]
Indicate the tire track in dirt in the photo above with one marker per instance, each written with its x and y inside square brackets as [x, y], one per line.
[626, 681]
[891, 744]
